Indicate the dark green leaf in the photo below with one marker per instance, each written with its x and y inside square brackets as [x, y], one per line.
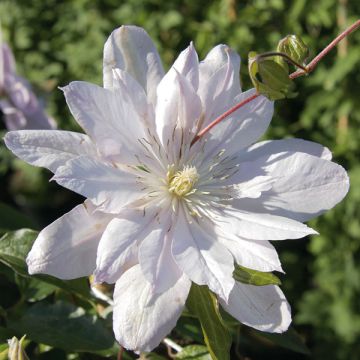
[289, 340]
[12, 219]
[202, 303]
[63, 325]
[254, 277]
[194, 352]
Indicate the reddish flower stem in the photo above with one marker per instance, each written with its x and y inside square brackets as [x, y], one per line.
[309, 68]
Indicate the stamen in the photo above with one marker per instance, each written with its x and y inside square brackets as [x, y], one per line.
[181, 183]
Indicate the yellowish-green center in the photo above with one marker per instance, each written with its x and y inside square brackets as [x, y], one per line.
[181, 183]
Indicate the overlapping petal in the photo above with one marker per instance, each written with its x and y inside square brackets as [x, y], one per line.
[219, 83]
[143, 318]
[108, 187]
[178, 110]
[305, 186]
[253, 254]
[109, 118]
[49, 149]
[243, 127]
[201, 257]
[262, 307]
[253, 226]
[67, 247]
[130, 48]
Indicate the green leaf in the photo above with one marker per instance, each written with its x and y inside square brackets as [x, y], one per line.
[254, 277]
[194, 352]
[202, 303]
[63, 325]
[14, 247]
[12, 219]
[290, 340]
[34, 290]
[270, 78]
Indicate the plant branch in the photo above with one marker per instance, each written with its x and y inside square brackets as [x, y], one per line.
[309, 68]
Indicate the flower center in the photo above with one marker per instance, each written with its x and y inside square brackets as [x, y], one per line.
[181, 183]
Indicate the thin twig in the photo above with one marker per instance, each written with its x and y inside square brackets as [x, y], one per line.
[309, 68]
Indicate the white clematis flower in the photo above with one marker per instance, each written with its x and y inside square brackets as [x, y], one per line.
[161, 213]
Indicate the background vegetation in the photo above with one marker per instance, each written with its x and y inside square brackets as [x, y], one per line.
[56, 42]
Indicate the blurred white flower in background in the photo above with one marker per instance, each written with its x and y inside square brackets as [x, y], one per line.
[161, 213]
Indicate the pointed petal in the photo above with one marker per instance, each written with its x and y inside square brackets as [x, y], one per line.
[67, 247]
[256, 255]
[106, 186]
[104, 115]
[243, 127]
[262, 307]
[187, 64]
[156, 260]
[178, 110]
[305, 186]
[49, 148]
[201, 257]
[118, 247]
[143, 318]
[287, 145]
[259, 226]
[219, 81]
[130, 48]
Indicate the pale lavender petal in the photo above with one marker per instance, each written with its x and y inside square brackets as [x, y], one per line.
[130, 48]
[118, 248]
[155, 257]
[202, 258]
[109, 117]
[108, 187]
[262, 307]
[305, 186]
[67, 247]
[49, 148]
[141, 317]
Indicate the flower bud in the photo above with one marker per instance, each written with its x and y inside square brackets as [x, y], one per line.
[294, 47]
[16, 351]
[270, 78]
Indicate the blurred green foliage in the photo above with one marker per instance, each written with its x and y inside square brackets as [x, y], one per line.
[56, 42]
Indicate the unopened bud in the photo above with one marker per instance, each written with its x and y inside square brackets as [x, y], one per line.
[294, 47]
[270, 78]
[16, 351]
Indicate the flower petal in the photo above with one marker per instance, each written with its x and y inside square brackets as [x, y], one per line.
[262, 307]
[201, 257]
[256, 255]
[187, 64]
[67, 247]
[286, 145]
[178, 110]
[242, 128]
[118, 247]
[156, 260]
[305, 186]
[219, 81]
[109, 188]
[143, 318]
[105, 114]
[130, 48]
[254, 226]
[49, 149]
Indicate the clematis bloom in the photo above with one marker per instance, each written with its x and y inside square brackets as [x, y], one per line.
[160, 213]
